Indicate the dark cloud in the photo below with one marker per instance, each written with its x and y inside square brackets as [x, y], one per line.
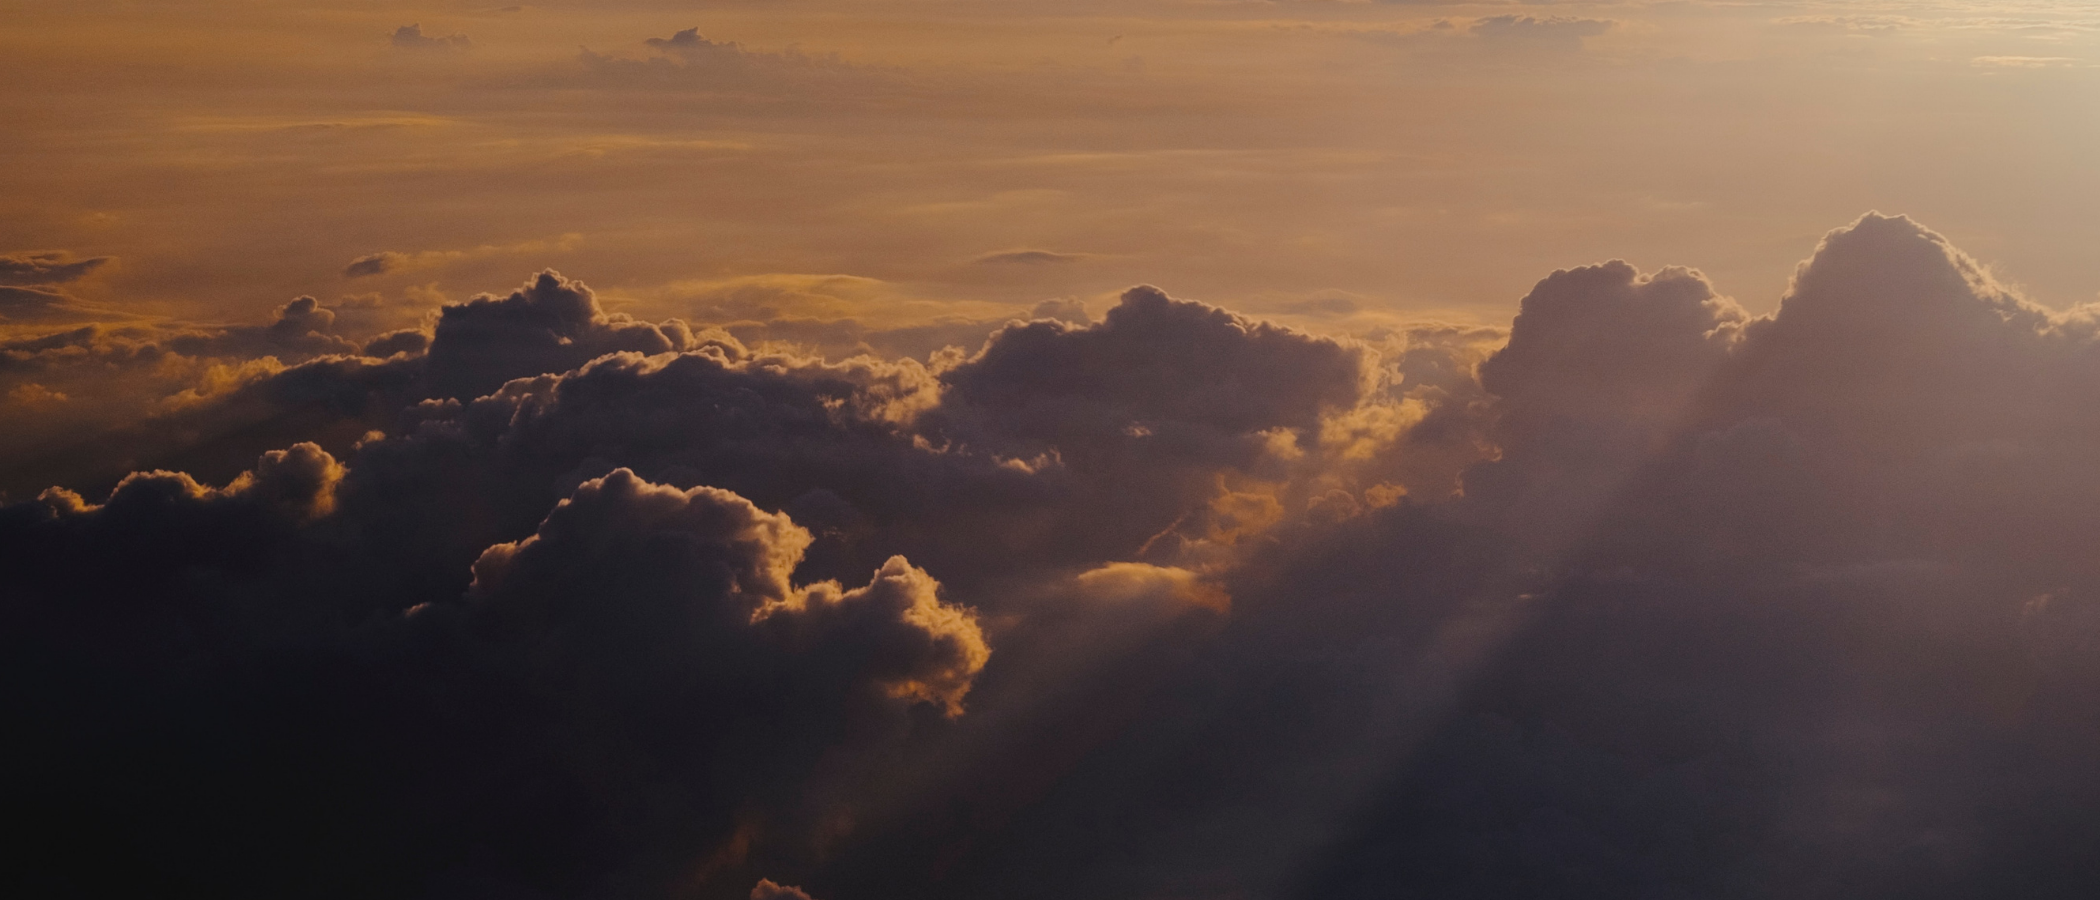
[302, 329]
[637, 680]
[1029, 258]
[410, 341]
[107, 345]
[147, 393]
[374, 264]
[1749, 592]
[1643, 597]
[45, 267]
[1153, 363]
[411, 37]
[1602, 362]
[687, 40]
[265, 386]
[550, 325]
[41, 304]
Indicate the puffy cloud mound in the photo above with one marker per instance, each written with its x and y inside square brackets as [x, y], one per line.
[549, 325]
[726, 565]
[1179, 369]
[1602, 364]
[627, 687]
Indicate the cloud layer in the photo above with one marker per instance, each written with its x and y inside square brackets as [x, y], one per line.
[1653, 598]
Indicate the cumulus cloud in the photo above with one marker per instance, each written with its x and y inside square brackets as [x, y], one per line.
[411, 37]
[550, 325]
[1158, 363]
[644, 675]
[1643, 596]
[1601, 362]
[767, 890]
[907, 644]
[1069, 309]
[405, 341]
[232, 391]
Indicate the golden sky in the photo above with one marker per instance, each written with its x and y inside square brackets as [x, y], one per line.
[893, 160]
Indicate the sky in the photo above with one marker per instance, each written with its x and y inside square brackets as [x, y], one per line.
[1409, 159]
[1193, 449]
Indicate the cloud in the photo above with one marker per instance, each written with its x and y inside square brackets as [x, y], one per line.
[1601, 362]
[46, 267]
[411, 37]
[550, 325]
[302, 328]
[736, 74]
[1757, 562]
[1029, 258]
[688, 40]
[409, 341]
[41, 304]
[1874, 24]
[1565, 31]
[294, 379]
[1132, 582]
[141, 389]
[1816, 471]
[2024, 62]
[374, 264]
[677, 608]
[1510, 32]
[767, 890]
[1644, 595]
[26, 293]
[907, 643]
[30, 393]
[390, 261]
[843, 338]
[1157, 362]
[1068, 309]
